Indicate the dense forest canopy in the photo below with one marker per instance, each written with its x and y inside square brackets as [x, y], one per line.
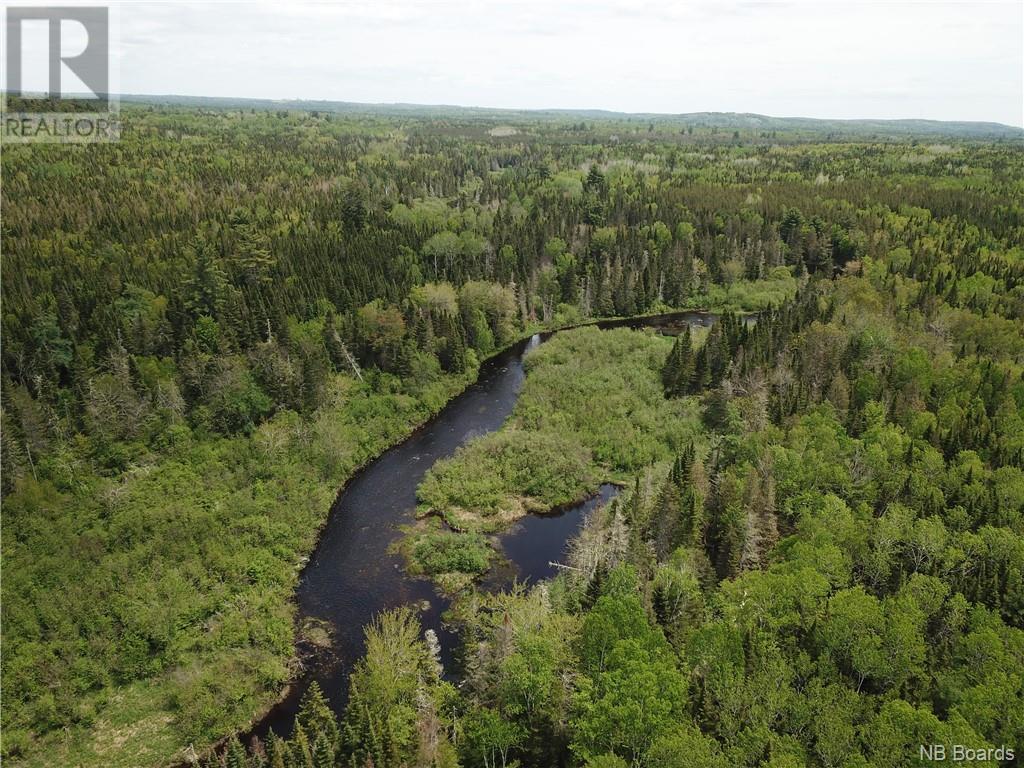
[817, 555]
[786, 128]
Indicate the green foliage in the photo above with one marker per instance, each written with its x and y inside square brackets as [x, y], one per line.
[634, 692]
[396, 697]
[490, 738]
[497, 477]
[586, 391]
[249, 304]
[202, 609]
[603, 389]
[442, 552]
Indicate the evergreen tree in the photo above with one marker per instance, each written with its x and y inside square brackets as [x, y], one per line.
[301, 750]
[276, 751]
[323, 752]
[317, 718]
[677, 374]
[353, 207]
[234, 756]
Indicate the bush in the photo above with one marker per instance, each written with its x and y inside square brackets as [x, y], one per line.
[505, 473]
[445, 552]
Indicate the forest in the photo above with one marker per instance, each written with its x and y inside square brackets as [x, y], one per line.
[816, 553]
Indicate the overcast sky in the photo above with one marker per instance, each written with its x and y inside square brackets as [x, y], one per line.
[939, 60]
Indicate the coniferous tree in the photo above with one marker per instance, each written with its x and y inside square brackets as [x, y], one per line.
[235, 756]
[301, 749]
[317, 718]
[277, 750]
[323, 752]
[679, 369]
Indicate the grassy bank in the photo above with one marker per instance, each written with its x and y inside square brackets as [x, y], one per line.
[592, 410]
[199, 554]
[171, 620]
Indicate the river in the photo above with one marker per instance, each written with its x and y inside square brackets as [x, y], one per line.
[352, 575]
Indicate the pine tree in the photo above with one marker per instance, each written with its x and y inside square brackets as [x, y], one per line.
[234, 756]
[678, 371]
[276, 751]
[353, 207]
[317, 718]
[302, 752]
[594, 588]
[323, 752]
[665, 520]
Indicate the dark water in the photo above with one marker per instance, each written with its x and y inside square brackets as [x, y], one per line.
[536, 542]
[351, 576]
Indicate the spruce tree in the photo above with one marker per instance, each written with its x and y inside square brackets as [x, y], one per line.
[595, 588]
[302, 752]
[664, 526]
[323, 752]
[670, 370]
[234, 756]
[678, 371]
[317, 718]
[276, 751]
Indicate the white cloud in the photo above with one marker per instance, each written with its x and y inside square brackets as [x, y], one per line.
[821, 59]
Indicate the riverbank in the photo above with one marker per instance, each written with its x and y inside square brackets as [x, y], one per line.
[250, 508]
[356, 571]
[591, 412]
[253, 508]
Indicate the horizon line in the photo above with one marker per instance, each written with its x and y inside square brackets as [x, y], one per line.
[538, 110]
[605, 110]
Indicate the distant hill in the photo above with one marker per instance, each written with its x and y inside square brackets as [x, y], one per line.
[730, 121]
[747, 120]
